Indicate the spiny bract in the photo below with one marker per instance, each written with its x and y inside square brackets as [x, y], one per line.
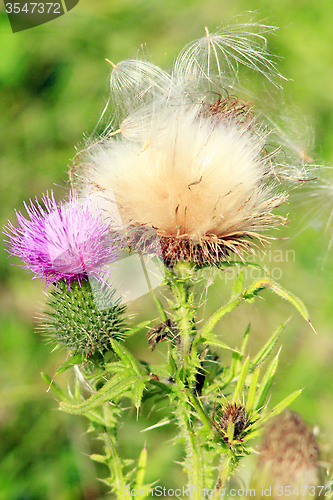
[72, 320]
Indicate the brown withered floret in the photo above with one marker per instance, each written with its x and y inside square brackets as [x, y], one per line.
[231, 412]
[164, 331]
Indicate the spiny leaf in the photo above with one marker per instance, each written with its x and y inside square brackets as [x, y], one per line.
[238, 285]
[139, 387]
[141, 468]
[172, 367]
[280, 407]
[126, 357]
[136, 328]
[251, 435]
[114, 388]
[252, 390]
[99, 458]
[263, 354]
[117, 480]
[282, 292]
[73, 360]
[54, 386]
[245, 340]
[161, 423]
[241, 380]
[266, 383]
[208, 327]
[211, 339]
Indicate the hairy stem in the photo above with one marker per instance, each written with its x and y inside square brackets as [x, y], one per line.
[180, 284]
[194, 464]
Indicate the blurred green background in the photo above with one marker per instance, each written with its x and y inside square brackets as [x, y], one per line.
[53, 88]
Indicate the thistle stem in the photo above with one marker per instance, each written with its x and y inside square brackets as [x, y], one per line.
[227, 466]
[195, 466]
[179, 283]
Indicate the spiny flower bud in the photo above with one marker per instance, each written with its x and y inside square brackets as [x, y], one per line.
[73, 320]
[231, 415]
[288, 458]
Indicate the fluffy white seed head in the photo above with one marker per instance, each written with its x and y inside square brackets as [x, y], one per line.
[187, 159]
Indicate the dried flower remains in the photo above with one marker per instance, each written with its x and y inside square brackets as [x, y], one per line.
[289, 456]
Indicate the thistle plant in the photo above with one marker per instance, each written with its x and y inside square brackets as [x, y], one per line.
[184, 169]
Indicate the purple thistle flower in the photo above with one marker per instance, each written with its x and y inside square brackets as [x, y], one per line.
[65, 240]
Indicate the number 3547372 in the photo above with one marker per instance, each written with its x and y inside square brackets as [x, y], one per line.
[31, 8]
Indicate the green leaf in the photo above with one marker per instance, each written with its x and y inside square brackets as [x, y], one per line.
[166, 389]
[263, 354]
[117, 481]
[99, 458]
[279, 407]
[126, 357]
[205, 419]
[208, 327]
[282, 292]
[114, 388]
[232, 370]
[266, 382]
[139, 387]
[172, 367]
[78, 359]
[136, 328]
[211, 339]
[238, 285]
[241, 380]
[252, 390]
[161, 423]
[245, 340]
[54, 386]
[251, 435]
[239, 357]
[140, 475]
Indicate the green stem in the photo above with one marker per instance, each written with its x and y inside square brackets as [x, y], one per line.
[228, 465]
[184, 314]
[206, 421]
[116, 468]
[179, 281]
[195, 466]
[105, 422]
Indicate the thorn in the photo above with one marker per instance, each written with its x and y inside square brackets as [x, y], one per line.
[312, 326]
[207, 32]
[110, 62]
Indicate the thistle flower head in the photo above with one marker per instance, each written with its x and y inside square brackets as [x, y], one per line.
[62, 241]
[288, 454]
[188, 159]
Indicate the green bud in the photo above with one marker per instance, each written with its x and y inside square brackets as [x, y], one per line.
[73, 320]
